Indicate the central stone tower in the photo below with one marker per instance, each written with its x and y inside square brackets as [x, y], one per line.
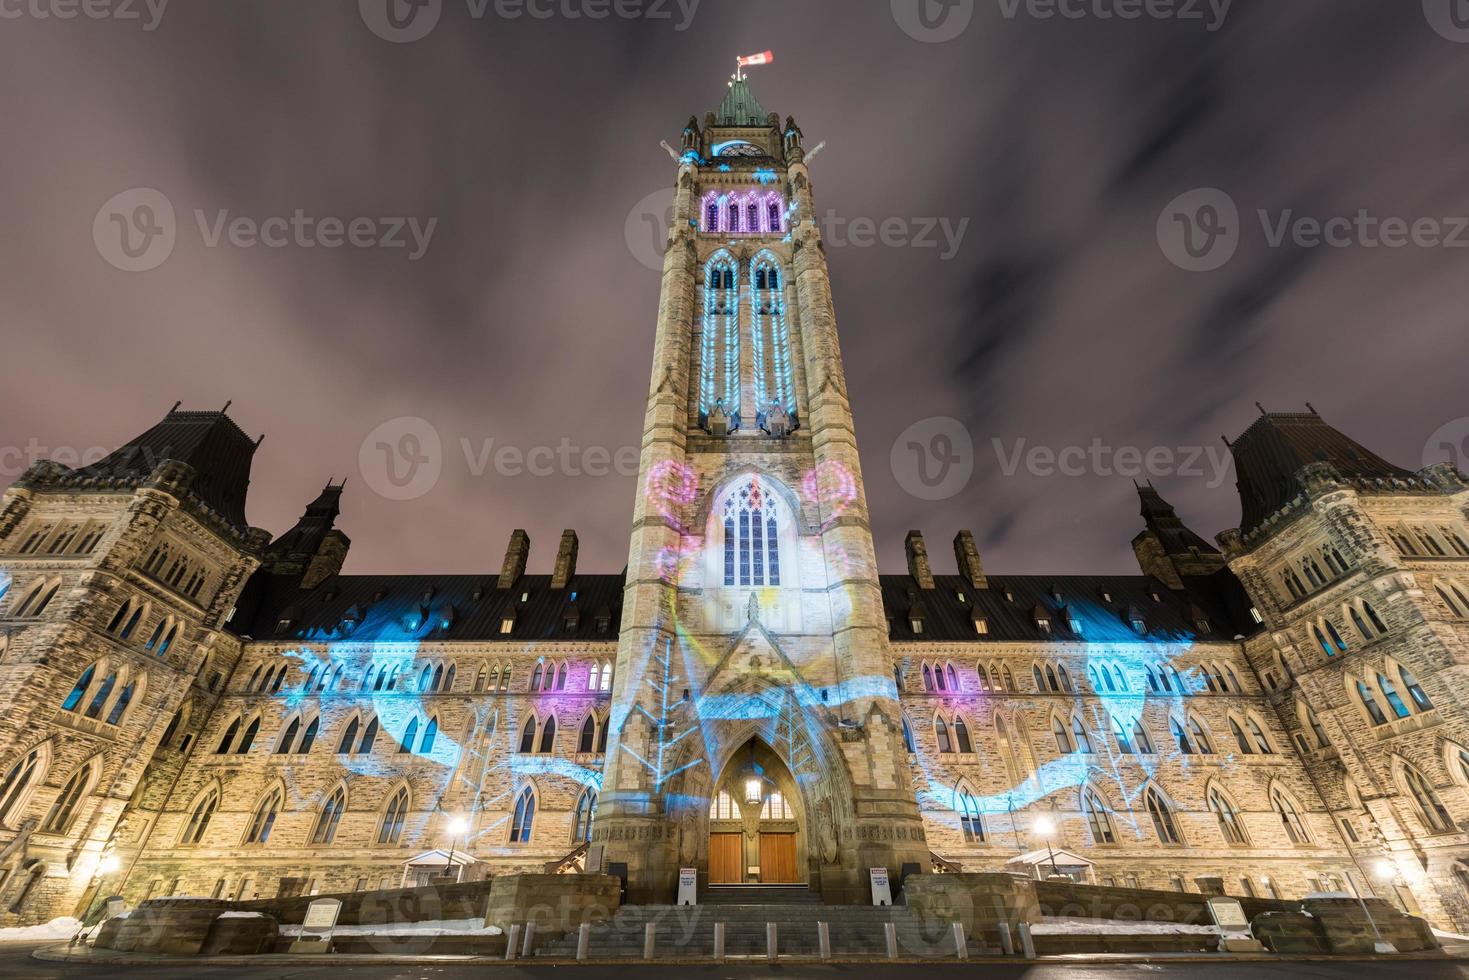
[756, 730]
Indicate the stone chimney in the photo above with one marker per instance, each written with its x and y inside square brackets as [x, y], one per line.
[565, 560]
[516, 555]
[967, 555]
[918, 565]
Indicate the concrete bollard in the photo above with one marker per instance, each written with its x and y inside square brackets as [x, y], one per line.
[527, 942]
[512, 942]
[823, 940]
[1027, 944]
[719, 940]
[650, 940]
[1007, 944]
[891, 931]
[961, 942]
[583, 940]
[771, 932]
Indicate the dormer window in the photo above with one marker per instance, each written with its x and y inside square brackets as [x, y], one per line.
[1106, 596]
[916, 624]
[573, 597]
[507, 624]
[1255, 615]
[571, 620]
[1009, 594]
[981, 625]
[525, 597]
[1076, 626]
[283, 625]
[961, 597]
[1044, 624]
[1156, 596]
[604, 622]
[1139, 626]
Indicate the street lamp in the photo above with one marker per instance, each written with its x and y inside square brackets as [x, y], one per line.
[1385, 870]
[458, 826]
[1045, 826]
[108, 865]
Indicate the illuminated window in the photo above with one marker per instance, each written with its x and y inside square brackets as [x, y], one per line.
[1080, 736]
[1290, 818]
[1374, 711]
[1431, 810]
[199, 819]
[17, 781]
[751, 537]
[581, 817]
[525, 816]
[1394, 700]
[776, 808]
[1098, 819]
[724, 808]
[264, 820]
[1231, 825]
[390, 831]
[331, 816]
[971, 821]
[1415, 690]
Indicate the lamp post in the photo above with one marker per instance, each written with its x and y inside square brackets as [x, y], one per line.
[458, 826]
[1385, 870]
[1045, 826]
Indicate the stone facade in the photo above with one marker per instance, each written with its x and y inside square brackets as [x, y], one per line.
[191, 707]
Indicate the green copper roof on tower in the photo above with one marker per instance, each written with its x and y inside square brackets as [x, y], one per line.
[740, 107]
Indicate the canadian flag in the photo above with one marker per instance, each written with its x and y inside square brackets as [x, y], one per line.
[764, 58]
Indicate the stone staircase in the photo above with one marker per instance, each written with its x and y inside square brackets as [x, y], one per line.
[688, 931]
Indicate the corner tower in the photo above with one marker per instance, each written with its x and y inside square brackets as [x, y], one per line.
[756, 723]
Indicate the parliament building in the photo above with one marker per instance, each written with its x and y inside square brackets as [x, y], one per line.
[193, 706]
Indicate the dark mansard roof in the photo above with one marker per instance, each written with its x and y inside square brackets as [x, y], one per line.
[740, 107]
[1272, 451]
[210, 442]
[438, 608]
[1104, 605]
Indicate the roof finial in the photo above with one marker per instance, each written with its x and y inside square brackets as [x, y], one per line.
[1227, 442]
[260, 440]
[1312, 409]
[175, 406]
[1261, 408]
[226, 406]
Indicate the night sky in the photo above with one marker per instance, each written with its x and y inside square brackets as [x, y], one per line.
[1056, 144]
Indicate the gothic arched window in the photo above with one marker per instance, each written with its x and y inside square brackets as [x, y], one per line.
[1231, 825]
[751, 536]
[581, 817]
[770, 338]
[391, 831]
[264, 819]
[331, 816]
[199, 819]
[971, 821]
[17, 781]
[719, 363]
[1163, 823]
[525, 816]
[1098, 819]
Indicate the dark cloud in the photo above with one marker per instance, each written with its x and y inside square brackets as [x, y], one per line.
[530, 320]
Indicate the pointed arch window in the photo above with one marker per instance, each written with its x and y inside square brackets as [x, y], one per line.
[941, 735]
[288, 739]
[64, 810]
[1079, 735]
[962, 741]
[719, 363]
[1369, 703]
[1431, 811]
[394, 817]
[1231, 825]
[1394, 700]
[776, 807]
[430, 735]
[263, 821]
[248, 739]
[1162, 816]
[908, 738]
[1415, 690]
[410, 735]
[524, 819]
[80, 690]
[1239, 737]
[752, 536]
[199, 819]
[581, 817]
[1140, 738]
[229, 738]
[120, 706]
[349, 738]
[1290, 817]
[1312, 722]
[548, 736]
[971, 821]
[369, 737]
[528, 736]
[588, 737]
[1064, 744]
[18, 780]
[104, 691]
[1200, 737]
[1180, 735]
[331, 816]
[774, 383]
[1119, 731]
[1098, 819]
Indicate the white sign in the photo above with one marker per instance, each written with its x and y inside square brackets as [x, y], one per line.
[688, 886]
[322, 914]
[882, 893]
[1229, 915]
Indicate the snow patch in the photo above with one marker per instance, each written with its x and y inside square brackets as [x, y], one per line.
[62, 928]
[242, 915]
[1112, 927]
[432, 927]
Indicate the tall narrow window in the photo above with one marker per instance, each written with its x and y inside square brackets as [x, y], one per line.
[961, 737]
[349, 738]
[751, 541]
[120, 706]
[264, 820]
[1290, 818]
[199, 819]
[410, 735]
[548, 736]
[368, 738]
[1231, 826]
[1374, 711]
[104, 691]
[588, 736]
[331, 816]
[941, 735]
[719, 363]
[1394, 700]
[1163, 823]
[1415, 690]
[971, 821]
[1098, 819]
[391, 831]
[528, 736]
[17, 781]
[581, 817]
[1434, 814]
[80, 690]
[288, 739]
[430, 734]
[525, 816]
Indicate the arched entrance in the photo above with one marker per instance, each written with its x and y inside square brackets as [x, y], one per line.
[756, 822]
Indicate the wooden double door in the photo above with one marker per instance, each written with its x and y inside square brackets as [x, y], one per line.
[778, 865]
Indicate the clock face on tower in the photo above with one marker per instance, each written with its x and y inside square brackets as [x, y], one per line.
[740, 149]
